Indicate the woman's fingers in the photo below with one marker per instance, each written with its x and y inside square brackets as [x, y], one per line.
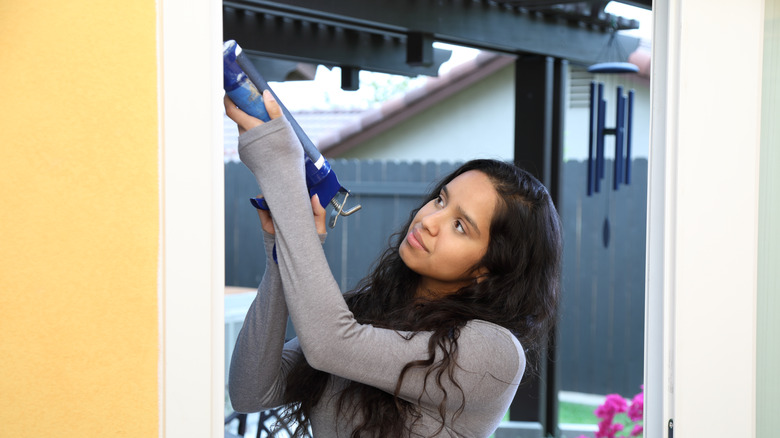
[317, 210]
[244, 121]
[319, 214]
[265, 220]
[271, 105]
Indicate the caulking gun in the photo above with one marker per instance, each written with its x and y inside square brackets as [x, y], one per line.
[244, 85]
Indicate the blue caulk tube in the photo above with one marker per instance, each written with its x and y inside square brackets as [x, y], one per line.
[239, 88]
[244, 85]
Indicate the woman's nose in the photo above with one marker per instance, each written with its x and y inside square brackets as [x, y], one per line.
[431, 222]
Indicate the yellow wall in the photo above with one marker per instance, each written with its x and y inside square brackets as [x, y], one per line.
[78, 218]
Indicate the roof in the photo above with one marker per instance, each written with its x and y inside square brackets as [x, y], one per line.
[394, 111]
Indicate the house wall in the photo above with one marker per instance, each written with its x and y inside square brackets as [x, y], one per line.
[79, 219]
[476, 123]
[487, 109]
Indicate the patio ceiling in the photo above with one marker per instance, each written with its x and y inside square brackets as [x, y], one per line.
[396, 37]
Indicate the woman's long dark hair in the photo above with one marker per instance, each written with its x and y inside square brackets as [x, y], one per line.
[520, 292]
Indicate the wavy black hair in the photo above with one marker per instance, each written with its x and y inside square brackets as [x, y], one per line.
[519, 292]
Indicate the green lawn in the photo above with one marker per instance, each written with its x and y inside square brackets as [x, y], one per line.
[572, 413]
[576, 413]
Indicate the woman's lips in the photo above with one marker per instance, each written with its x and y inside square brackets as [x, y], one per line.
[415, 240]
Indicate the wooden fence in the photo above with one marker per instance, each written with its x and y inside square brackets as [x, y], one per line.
[601, 334]
[602, 318]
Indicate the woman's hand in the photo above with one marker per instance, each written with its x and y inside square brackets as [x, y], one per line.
[246, 122]
[319, 217]
[319, 214]
[265, 220]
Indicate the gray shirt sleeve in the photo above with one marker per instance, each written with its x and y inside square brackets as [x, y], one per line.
[261, 360]
[490, 359]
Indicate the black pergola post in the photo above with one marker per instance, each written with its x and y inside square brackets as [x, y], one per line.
[540, 84]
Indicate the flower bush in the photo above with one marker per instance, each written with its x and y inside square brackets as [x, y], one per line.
[628, 413]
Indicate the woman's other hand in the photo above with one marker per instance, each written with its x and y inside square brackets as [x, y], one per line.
[317, 210]
[246, 122]
[265, 220]
[319, 214]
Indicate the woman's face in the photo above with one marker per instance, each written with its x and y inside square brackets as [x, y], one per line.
[450, 234]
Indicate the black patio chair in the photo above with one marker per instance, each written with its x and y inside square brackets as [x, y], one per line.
[262, 429]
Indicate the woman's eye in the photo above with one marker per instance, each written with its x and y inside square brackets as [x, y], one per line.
[459, 227]
[439, 200]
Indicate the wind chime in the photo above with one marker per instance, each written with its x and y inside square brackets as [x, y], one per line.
[621, 131]
[598, 131]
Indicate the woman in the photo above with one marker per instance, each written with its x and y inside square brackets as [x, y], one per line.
[432, 342]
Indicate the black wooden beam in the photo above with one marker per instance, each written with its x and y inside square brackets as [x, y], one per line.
[540, 84]
[554, 185]
[481, 24]
[533, 142]
[534, 91]
[275, 36]
[277, 70]
[645, 4]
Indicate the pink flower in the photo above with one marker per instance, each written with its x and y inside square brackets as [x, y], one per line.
[607, 429]
[603, 431]
[614, 404]
[636, 410]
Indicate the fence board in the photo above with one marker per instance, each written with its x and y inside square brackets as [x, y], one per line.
[388, 191]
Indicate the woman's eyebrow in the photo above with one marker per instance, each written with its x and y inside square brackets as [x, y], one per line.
[463, 213]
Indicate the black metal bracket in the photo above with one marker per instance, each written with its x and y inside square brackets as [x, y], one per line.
[419, 49]
[350, 78]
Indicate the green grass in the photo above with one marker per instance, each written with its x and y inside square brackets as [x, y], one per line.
[571, 413]
[576, 413]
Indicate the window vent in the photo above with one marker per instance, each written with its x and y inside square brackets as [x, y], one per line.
[580, 81]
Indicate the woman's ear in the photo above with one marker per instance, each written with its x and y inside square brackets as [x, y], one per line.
[480, 274]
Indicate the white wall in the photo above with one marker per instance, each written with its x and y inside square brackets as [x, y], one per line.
[476, 123]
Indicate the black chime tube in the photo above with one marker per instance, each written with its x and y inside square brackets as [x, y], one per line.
[620, 120]
[592, 128]
[602, 104]
[629, 123]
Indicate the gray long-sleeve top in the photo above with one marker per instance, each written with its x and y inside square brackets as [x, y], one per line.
[490, 359]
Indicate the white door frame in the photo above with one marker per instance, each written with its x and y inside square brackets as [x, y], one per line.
[191, 261]
[700, 273]
[702, 218]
